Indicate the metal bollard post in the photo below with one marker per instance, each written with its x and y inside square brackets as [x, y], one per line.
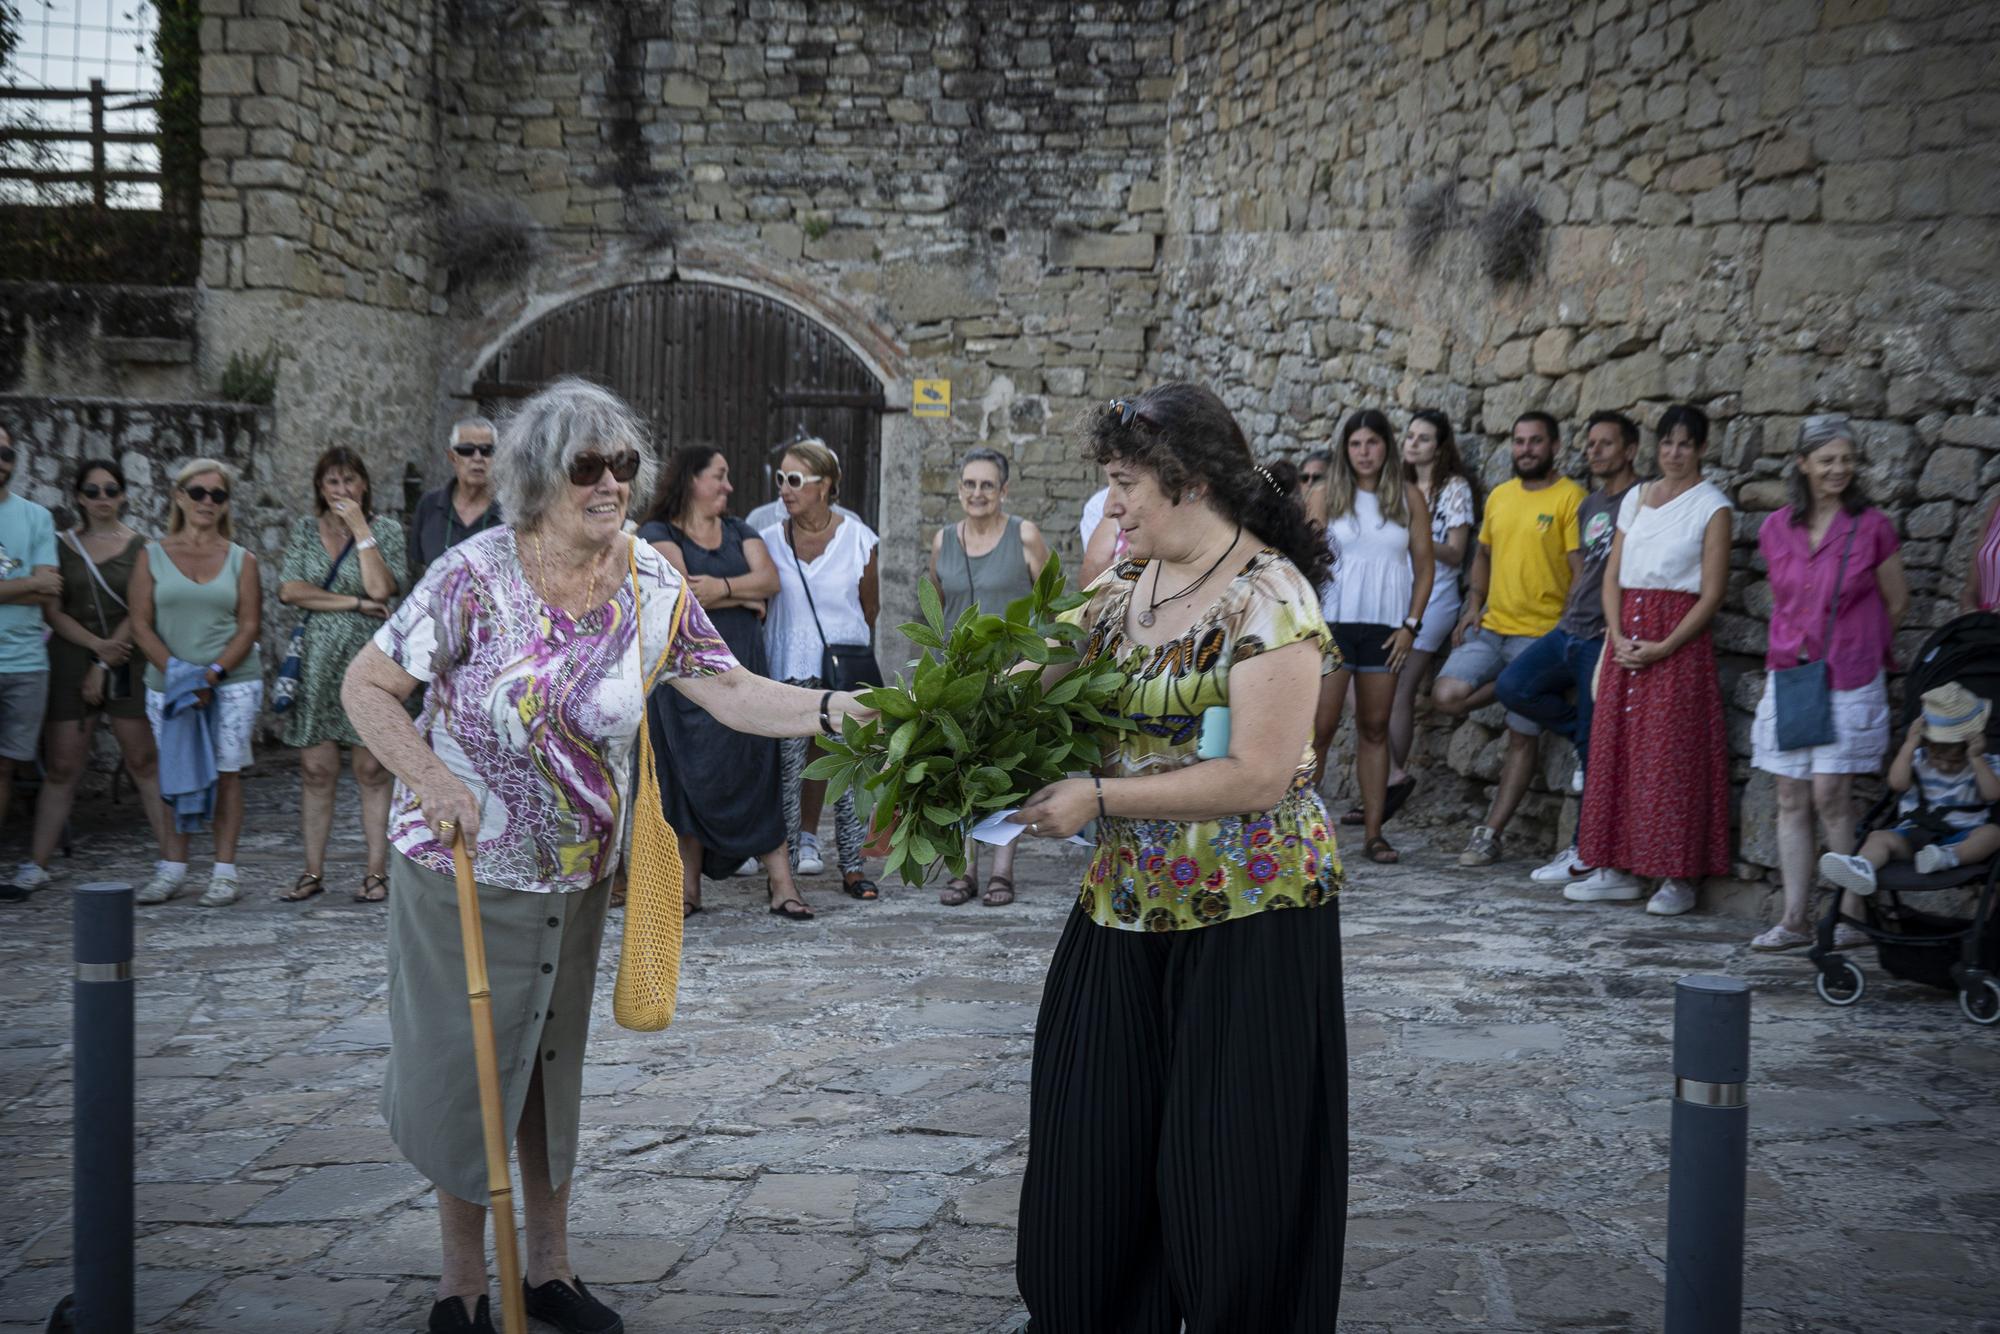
[1710, 1156]
[102, 1221]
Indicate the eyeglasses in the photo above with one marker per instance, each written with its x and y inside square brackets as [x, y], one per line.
[467, 451]
[200, 494]
[109, 491]
[797, 480]
[589, 469]
[6, 453]
[977, 488]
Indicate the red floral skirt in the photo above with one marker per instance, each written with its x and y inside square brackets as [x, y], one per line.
[1656, 802]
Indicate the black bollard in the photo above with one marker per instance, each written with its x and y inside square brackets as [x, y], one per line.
[1711, 1156]
[102, 1221]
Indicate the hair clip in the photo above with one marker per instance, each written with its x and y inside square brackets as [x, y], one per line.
[1265, 473]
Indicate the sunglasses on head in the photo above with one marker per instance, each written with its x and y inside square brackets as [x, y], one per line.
[589, 469]
[796, 480]
[1128, 410]
[199, 494]
[467, 451]
[109, 491]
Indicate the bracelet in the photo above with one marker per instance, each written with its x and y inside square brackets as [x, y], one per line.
[826, 719]
[216, 667]
[365, 544]
[1100, 797]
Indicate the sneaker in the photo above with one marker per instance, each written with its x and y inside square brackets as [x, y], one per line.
[1936, 857]
[570, 1308]
[1482, 849]
[451, 1317]
[1566, 867]
[1853, 874]
[1604, 885]
[160, 888]
[1779, 937]
[222, 891]
[750, 866]
[809, 862]
[1671, 899]
[31, 877]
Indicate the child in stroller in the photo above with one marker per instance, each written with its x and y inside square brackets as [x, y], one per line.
[1943, 825]
[1947, 789]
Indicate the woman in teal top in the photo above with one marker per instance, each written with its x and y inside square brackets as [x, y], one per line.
[987, 559]
[195, 598]
[342, 568]
[1188, 1099]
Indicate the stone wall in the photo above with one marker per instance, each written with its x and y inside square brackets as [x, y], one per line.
[319, 217]
[1766, 209]
[115, 341]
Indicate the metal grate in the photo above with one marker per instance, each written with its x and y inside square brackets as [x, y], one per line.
[92, 135]
[710, 365]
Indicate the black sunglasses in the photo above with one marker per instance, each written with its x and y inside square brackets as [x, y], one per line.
[467, 451]
[6, 453]
[1128, 410]
[109, 491]
[202, 493]
[589, 469]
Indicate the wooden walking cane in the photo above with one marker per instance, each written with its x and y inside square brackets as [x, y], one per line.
[493, 1124]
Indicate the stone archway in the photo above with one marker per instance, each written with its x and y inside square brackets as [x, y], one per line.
[714, 364]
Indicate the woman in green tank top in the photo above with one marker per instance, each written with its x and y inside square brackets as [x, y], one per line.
[987, 559]
[195, 597]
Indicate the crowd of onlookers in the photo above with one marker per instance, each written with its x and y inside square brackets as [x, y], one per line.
[1585, 612]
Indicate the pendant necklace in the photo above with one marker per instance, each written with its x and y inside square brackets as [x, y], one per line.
[1146, 616]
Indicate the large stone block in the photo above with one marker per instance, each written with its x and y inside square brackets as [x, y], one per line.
[1952, 473]
[228, 75]
[1625, 381]
[1101, 250]
[1983, 432]
[1801, 263]
[1779, 382]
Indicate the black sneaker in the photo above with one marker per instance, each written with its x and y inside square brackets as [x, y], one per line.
[571, 1308]
[449, 1317]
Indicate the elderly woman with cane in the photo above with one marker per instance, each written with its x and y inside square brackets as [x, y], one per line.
[535, 640]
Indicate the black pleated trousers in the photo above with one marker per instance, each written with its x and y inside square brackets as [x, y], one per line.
[1187, 1155]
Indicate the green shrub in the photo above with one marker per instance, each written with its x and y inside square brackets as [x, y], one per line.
[251, 379]
[967, 734]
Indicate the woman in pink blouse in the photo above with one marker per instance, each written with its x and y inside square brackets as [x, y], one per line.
[1982, 581]
[1828, 552]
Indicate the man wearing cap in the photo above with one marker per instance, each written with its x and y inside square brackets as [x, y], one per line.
[1948, 782]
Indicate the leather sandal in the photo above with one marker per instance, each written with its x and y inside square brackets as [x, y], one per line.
[999, 892]
[864, 889]
[792, 910]
[1378, 850]
[306, 886]
[374, 888]
[957, 890]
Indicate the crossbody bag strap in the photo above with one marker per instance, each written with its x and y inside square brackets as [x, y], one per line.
[96, 582]
[971, 586]
[326, 584]
[806, 584]
[1839, 579]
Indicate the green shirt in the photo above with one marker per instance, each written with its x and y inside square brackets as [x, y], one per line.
[1173, 875]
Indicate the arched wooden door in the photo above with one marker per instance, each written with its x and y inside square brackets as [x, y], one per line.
[709, 365]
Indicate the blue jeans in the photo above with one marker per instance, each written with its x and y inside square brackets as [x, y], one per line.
[1537, 685]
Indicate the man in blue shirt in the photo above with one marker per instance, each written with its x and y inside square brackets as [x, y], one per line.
[28, 583]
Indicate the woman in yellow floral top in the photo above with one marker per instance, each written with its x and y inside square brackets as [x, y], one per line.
[1188, 1121]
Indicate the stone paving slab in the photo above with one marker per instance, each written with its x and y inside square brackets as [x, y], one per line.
[831, 1138]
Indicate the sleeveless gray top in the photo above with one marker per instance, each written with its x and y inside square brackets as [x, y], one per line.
[991, 581]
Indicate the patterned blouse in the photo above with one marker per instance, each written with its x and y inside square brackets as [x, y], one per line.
[535, 711]
[1451, 509]
[1173, 875]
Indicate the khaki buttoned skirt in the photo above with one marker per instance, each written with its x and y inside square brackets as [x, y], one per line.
[541, 962]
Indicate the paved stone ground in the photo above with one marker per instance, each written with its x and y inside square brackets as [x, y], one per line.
[831, 1137]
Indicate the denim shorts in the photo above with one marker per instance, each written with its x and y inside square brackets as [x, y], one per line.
[1480, 660]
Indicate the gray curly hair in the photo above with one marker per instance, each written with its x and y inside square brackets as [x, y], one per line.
[566, 418]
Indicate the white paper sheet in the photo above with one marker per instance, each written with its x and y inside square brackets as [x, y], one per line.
[997, 830]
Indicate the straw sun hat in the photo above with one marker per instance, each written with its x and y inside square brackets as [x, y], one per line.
[1953, 713]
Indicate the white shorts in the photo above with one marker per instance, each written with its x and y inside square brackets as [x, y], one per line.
[1440, 613]
[236, 706]
[1860, 735]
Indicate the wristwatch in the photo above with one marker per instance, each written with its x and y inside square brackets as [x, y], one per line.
[1413, 623]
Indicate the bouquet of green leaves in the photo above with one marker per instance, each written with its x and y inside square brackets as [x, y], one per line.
[966, 733]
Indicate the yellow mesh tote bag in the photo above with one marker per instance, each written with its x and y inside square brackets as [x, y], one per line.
[649, 959]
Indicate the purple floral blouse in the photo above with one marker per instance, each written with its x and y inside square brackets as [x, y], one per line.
[535, 711]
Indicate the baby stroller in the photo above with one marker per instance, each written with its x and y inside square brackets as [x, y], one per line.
[1959, 954]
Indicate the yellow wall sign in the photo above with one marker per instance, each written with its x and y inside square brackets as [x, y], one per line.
[931, 398]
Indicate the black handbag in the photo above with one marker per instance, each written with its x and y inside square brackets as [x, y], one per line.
[1802, 696]
[841, 666]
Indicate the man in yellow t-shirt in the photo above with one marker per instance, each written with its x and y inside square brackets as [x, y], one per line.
[1527, 557]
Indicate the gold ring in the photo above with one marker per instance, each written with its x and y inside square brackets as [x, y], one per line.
[447, 827]
[1034, 828]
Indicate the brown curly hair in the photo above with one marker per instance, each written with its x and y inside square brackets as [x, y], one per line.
[1182, 434]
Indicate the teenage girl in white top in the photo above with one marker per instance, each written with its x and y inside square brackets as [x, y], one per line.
[1380, 532]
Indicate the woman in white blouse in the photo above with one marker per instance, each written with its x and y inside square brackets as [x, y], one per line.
[827, 594]
[1380, 533]
[1432, 462]
[1657, 803]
